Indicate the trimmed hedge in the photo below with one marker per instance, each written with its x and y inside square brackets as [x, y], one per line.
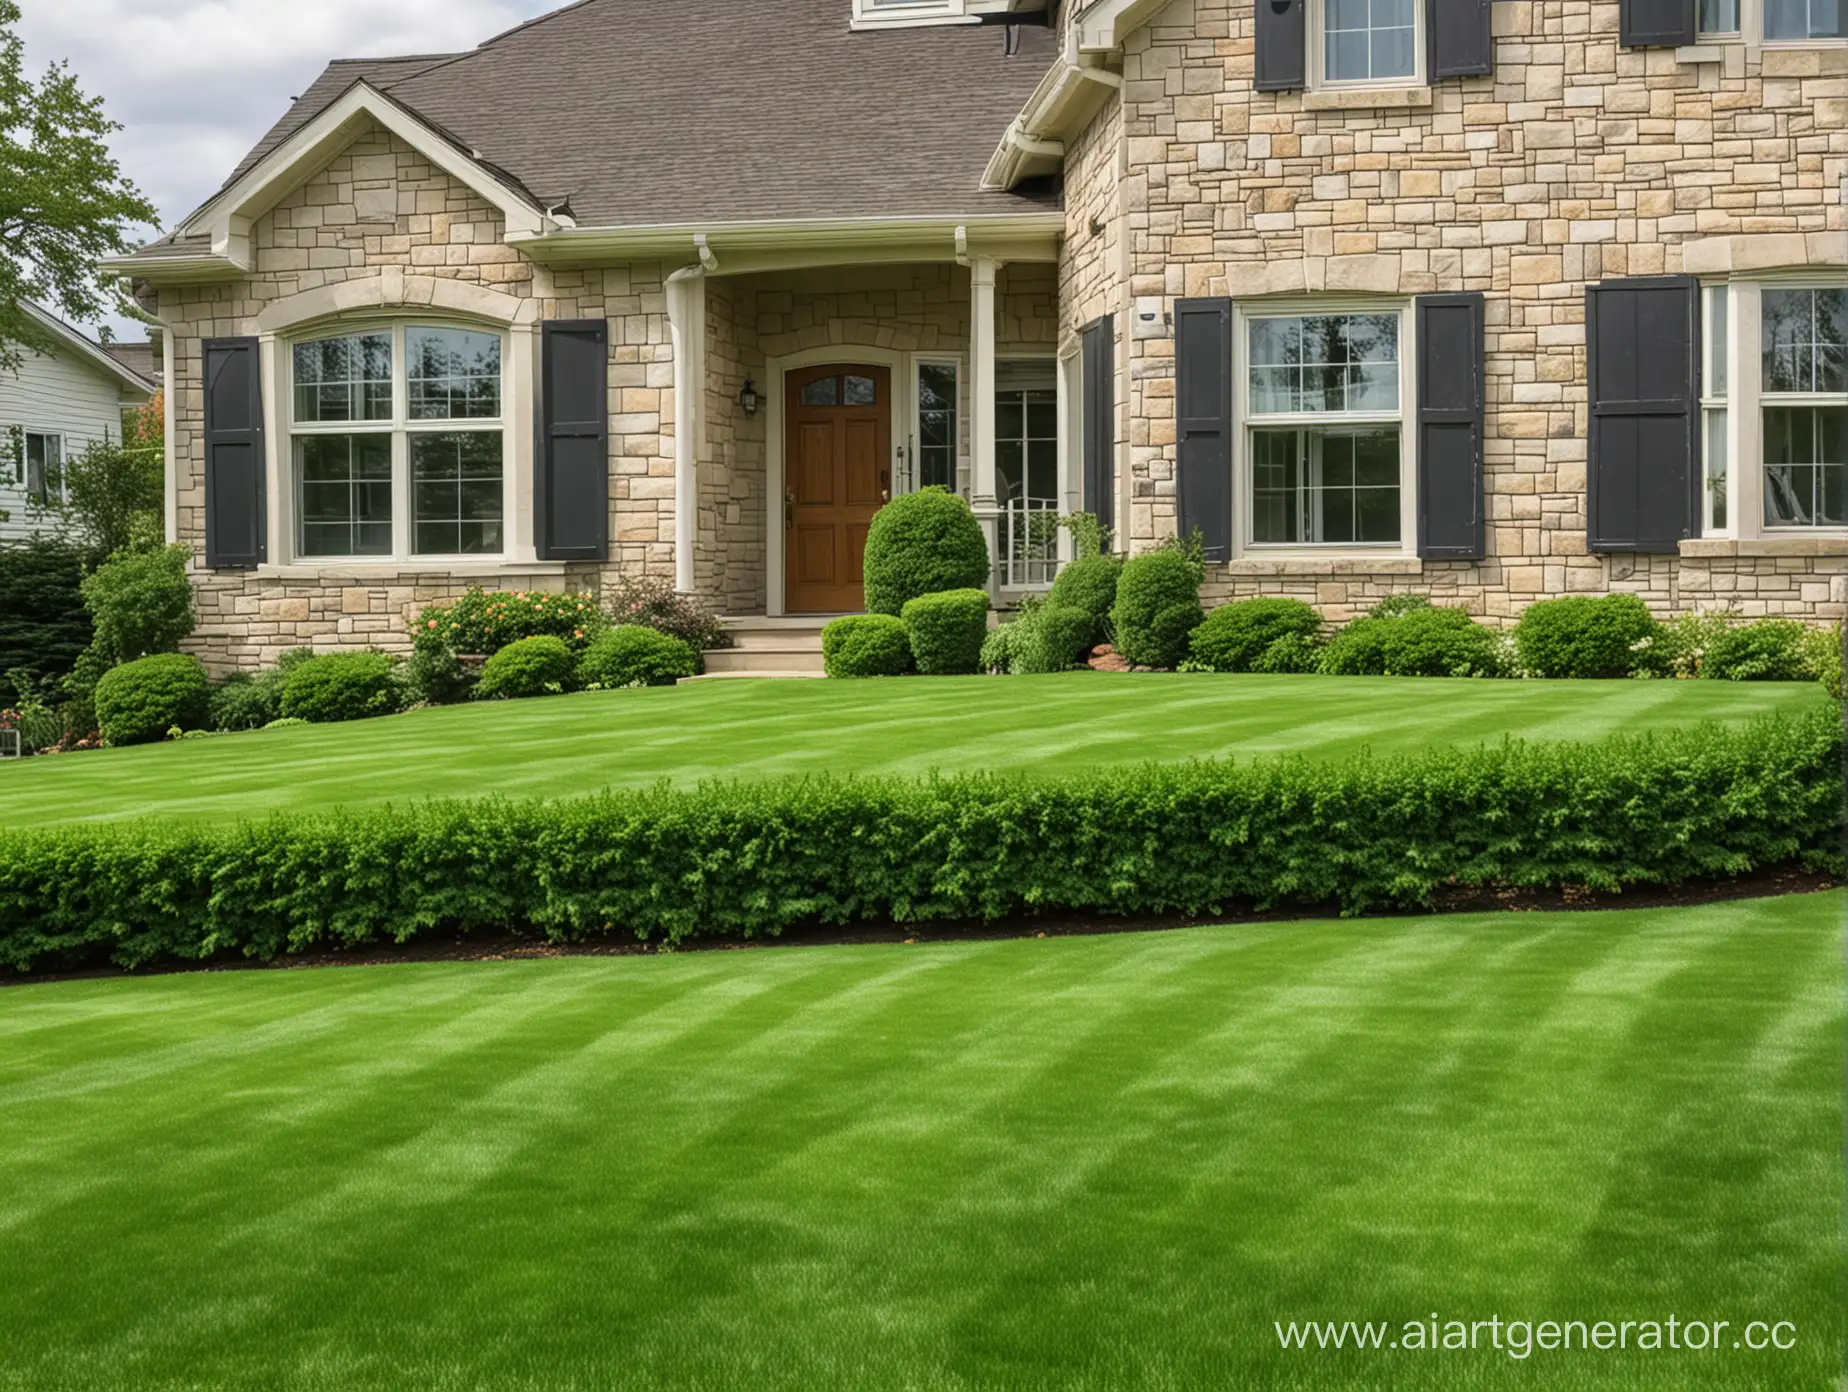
[342, 686]
[1157, 607]
[922, 543]
[1581, 637]
[1236, 637]
[866, 645]
[754, 860]
[140, 701]
[538, 666]
[1769, 650]
[947, 631]
[1049, 638]
[1415, 641]
[633, 655]
[1090, 584]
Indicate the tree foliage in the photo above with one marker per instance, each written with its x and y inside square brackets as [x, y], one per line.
[64, 203]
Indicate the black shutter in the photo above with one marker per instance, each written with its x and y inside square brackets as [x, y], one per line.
[236, 498]
[1450, 404]
[1283, 45]
[1461, 44]
[1656, 23]
[1642, 342]
[571, 496]
[1203, 422]
[1100, 419]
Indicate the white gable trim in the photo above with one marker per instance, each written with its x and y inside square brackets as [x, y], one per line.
[228, 217]
[84, 347]
[393, 289]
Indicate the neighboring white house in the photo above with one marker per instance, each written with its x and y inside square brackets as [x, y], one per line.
[58, 403]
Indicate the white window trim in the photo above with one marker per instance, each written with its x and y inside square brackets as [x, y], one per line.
[914, 424]
[1317, 40]
[1712, 347]
[1243, 422]
[911, 14]
[22, 474]
[286, 483]
[1750, 35]
[1761, 399]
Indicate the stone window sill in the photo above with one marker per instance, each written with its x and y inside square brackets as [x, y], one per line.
[407, 570]
[1367, 99]
[1713, 51]
[1287, 566]
[1721, 548]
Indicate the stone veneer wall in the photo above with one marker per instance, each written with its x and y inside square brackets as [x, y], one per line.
[1577, 161]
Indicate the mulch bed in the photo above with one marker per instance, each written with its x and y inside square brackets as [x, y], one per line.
[512, 948]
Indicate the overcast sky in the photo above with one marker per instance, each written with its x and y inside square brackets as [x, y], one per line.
[196, 82]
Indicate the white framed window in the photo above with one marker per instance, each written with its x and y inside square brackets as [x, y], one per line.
[1716, 341]
[896, 14]
[1803, 400]
[1718, 19]
[1803, 21]
[1322, 444]
[40, 469]
[1367, 43]
[936, 461]
[397, 442]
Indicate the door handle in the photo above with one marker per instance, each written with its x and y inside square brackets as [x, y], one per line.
[885, 485]
[789, 508]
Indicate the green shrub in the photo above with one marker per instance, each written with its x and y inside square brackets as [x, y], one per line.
[998, 647]
[1769, 650]
[140, 602]
[482, 623]
[922, 543]
[244, 702]
[651, 601]
[288, 722]
[1089, 584]
[1398, 606]
[1290, 655]
[1823, 650]
[1415, 640]
[1583, 637]
[866, 645]
[636, 656]
[435, 676]
[541, 666]
[947, 630]
[1090, 537]
[1236, 637]
[1157, 607]
[754, 860]
[140, 701]
[1049, 638]
[342, 686]
[44, 626]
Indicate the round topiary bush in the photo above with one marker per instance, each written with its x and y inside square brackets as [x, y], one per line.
[947, 631]
[1235, 637]
[866, 645]
[1358, 649]
[140, 701]
[539, 666]
[1089, 584]
[1157, 608]
[922, 543]
[1769, 650]
[1433, 641]
[1583, 637]
[342, 686]
[1050, 639]
[636, 656]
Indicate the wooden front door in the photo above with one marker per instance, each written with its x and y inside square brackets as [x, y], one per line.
[837, 474]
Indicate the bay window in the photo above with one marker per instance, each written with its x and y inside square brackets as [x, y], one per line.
[1324, 435]
[397, 443]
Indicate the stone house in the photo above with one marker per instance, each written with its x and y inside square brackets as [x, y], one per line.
[1491, 301]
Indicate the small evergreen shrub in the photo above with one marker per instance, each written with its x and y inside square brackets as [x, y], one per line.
[246, 702]
[435, 676]
[1089, 584]
[866, 645]
[342, 686]
[632, 655]
[141, 602]
[1157, 607]
[1236, 637]
[1584, 637]
[1357, 649]
[1769, 650]
[1415, 640]
[922, 543]
[651, 601]
[1291, 655]
[1823, 651]
[998, 647]
[1398, 606]
[540, 666]
[44, 626]
[947, 631]
[140, 701]
[1050, 638]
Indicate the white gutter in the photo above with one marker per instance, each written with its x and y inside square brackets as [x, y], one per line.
[686, 320]
[782, 234]
[1071, 92]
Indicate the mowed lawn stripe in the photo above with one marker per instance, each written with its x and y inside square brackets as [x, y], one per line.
[1090, 1162]
[569, 745]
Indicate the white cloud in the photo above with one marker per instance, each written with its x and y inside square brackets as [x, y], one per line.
[195, 83]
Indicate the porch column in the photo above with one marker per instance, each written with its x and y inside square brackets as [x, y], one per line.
[686, 321]
[982, 388]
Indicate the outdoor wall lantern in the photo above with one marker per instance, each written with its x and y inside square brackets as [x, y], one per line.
[748, 397]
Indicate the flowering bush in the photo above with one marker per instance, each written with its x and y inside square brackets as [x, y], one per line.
[649, 601]
[483, 623]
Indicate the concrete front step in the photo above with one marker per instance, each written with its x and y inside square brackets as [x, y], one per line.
[816, 675]
[765, 647]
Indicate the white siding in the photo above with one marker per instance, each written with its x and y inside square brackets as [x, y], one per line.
[57, 394]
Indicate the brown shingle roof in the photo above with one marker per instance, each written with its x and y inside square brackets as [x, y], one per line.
[674, 111]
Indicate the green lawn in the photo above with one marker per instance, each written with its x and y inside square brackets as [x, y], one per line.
[577, 744]
[1108, 1162]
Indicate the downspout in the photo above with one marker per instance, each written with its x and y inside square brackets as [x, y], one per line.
[686, 321]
